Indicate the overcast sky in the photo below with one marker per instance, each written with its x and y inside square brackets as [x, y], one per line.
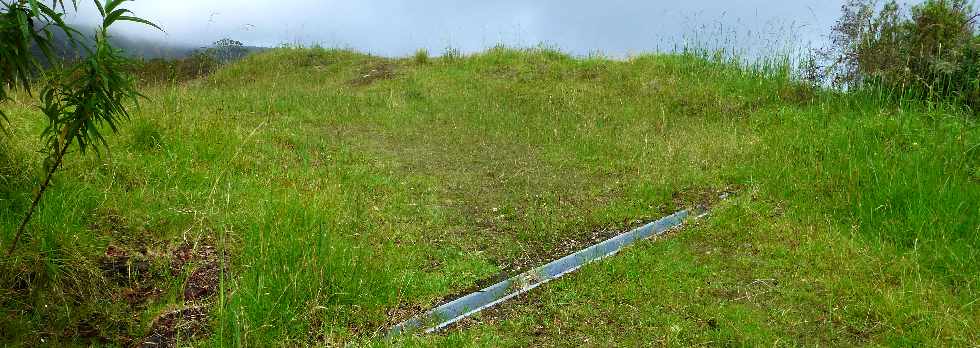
[399, 27]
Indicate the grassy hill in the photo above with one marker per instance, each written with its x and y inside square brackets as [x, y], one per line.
[309, 196]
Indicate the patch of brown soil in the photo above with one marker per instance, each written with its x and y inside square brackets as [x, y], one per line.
[190, 322]
[178, 325]
[138, 295]
[703, 197]
[188, 252]
[401, 313]
[365, 77]
[182, 255]
[118, 265]
[203, 282]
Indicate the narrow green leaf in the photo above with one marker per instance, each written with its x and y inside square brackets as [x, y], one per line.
[140, 20]
[58, 20]
[25, 27]
[112, 4]
[98, 4]
[113, 16]
[34, 7]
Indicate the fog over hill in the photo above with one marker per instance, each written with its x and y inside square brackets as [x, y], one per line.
[398, 27]
[133, 45]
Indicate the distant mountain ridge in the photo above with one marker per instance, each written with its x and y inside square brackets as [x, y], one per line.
[141, 48]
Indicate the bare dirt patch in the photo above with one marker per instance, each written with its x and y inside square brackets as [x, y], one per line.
[138, 295]
[178, 325]
[191, 321]
[203, 282]
[120, 266]
[190, 252]
[377, 72]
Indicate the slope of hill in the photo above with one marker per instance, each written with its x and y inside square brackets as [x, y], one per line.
[318, 196]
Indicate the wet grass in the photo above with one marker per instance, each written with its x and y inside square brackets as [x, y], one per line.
[348, 192]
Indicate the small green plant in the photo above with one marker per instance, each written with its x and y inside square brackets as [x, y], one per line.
[77, 100]
[147, 135]
[421, 56]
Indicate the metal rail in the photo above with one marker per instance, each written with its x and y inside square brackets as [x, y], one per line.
[451, 312]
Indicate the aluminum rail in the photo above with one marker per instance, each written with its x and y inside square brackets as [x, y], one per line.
[451, 312]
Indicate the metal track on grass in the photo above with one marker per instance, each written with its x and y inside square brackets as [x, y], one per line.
[449, 313]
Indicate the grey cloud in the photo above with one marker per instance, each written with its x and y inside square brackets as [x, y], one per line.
[398, 27]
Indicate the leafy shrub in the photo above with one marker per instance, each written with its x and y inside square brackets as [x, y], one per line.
[176, 70]
[76, 99]
[930, 51]
[226, 50]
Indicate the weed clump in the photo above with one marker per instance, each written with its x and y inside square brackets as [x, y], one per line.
[421, 56]
[147, 136]
[452, 54]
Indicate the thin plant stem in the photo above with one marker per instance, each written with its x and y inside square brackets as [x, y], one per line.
[39, 194]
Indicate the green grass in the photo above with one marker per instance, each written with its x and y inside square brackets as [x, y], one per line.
[348, 192]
